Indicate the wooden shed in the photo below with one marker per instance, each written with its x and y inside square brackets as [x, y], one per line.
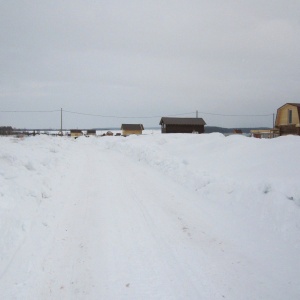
[288, 119]
[128, 129]
[91, 132]
[75, 133]
[182, 125]
[265, 133]
[237, 131]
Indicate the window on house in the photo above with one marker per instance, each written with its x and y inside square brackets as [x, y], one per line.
[290, 119]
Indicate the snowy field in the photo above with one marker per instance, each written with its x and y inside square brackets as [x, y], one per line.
[150, 217]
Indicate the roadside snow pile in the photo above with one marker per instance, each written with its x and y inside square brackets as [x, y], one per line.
[245, 178]
[29, 171]
[210, 158]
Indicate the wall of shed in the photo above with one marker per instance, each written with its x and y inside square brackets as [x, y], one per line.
[75, 134]
[183, 128]
[129, 132]
[282, 117]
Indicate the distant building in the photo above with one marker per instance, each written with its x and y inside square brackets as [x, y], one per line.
[109, 133]
[265, 133]
[237, 131]
[182, 125]
[6, 130]
[128, 129]
[75, 133]
[91, 132]
[288, 119]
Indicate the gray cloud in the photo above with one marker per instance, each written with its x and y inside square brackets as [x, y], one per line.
[147, 58]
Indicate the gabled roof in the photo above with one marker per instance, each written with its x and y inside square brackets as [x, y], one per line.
[181, 121]
[132, 127]
[294, 104]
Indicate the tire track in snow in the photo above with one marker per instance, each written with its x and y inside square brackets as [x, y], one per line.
[116, 244]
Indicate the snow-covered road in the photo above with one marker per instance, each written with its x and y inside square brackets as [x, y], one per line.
[114, 227]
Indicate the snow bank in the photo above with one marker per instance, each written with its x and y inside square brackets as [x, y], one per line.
[254, 181]
[30, 169]
[244, 190]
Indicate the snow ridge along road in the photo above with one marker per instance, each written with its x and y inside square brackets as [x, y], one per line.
[110, 226]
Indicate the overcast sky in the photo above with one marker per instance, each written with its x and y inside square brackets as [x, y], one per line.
[147, 58]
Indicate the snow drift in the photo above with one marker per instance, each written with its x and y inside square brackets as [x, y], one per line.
[155, 217]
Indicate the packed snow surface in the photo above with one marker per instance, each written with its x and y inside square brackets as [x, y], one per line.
[150, 217]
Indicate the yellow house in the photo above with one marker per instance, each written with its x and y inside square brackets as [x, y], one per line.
[76, 133]
[288, 119]
[128, 129]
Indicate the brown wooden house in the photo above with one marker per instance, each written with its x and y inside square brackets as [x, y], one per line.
[288, 119]
[128, 129]
[91, 132]
[182, 125]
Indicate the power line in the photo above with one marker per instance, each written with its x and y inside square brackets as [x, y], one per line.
[124, 117]
[172, 115]
[29, 111]
[225, 115]
[130, 117]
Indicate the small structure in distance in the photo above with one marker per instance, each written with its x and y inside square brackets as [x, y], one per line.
[75, 133]
[128, 129]
[90, 132]
[264, 133]
[6, 130]
[182, 125]
[237, 131]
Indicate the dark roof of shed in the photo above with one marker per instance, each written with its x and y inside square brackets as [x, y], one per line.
[181, 121]
[132, 127]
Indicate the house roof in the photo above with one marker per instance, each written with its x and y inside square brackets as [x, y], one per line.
[132, 127]
[75, 131]
[293, 104]
[181, 121]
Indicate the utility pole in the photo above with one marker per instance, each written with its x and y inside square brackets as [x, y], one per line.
[197, 114]
[61, 131]
[273, 120]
